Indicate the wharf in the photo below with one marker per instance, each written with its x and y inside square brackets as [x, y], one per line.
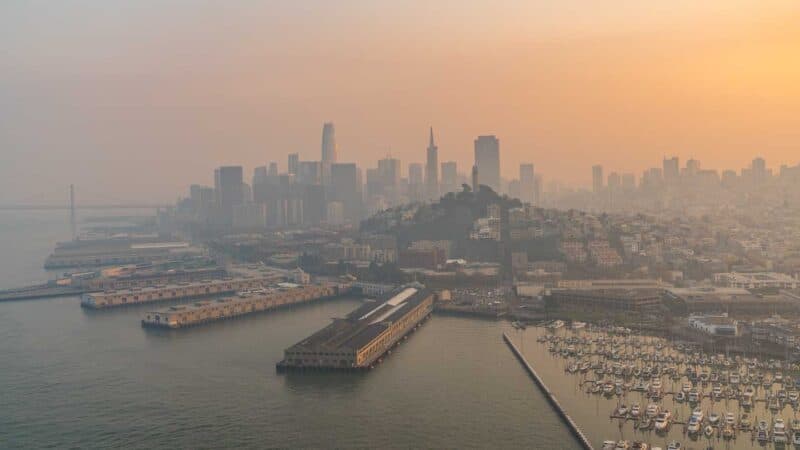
[200, 313]
[38, 291]
[576, 431]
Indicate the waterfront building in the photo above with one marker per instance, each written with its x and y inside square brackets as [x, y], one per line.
[358, 340]
[607, 300]
[487, 161]
[756, 280]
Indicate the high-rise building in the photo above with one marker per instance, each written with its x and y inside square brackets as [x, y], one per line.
[759, 170]
[432, 169]
[389, 176]
[597, 178]
[487, 160]
[449, 177]
[475, 180]
[614, 182]
[527, 182]
[416, 187]
[672, 170]
[228, 192]
[309, 172]
[294, 160]
[346, 189]
[328, 143]
[628, 181]
[328, 151]
[692, 167]
[273, 169]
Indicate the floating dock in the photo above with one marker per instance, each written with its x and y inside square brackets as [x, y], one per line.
[284, 294]
[576, 431]
[180, 291]
[359, 340]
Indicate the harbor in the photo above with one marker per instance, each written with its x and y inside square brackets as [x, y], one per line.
[657, 393]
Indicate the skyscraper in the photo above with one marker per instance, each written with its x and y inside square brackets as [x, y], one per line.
[229, 192]
[487, 160]
[475, 181]
[346, 189]
[328, 143]
[449, 176]
[527, 182]
[597, 178]
[328, 151]
[672, 170]
[416, 187]
[432, 169]
[294, 159]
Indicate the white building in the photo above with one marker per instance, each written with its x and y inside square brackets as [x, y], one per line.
[756, 280]
[717, 325]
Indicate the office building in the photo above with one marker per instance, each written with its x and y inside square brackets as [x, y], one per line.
[487, 160]
[294, 160]
[597, 178]
[450, 177]
[527, 183]
[671, 170]
[229, 192]
[346, 189]
[329, 151]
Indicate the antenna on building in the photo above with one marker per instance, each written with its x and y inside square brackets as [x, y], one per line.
[72, 210]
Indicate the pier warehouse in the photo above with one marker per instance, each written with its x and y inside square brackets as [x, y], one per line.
[100, 300]
[199, 313]
[358, 340]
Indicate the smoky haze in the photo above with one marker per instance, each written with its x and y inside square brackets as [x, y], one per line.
[132, 101]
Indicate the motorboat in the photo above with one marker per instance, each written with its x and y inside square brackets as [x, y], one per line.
[779, 431]
[622, 410]
[796, 438]
[694, 425]
[652, 410]
[708, 431]
[713, 418]
[744, 422]
[622, 445]
[674, 445]
[609, 445]
[728, 432]
[680, 397]
[639, 445]
[636, 410]
[694, 396]
[730, 419]
[663, 421]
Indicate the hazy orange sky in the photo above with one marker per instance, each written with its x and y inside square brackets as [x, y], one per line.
[135, 100]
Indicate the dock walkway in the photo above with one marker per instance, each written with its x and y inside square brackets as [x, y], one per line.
[584, 441]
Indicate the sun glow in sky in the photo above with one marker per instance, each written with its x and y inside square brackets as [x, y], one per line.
[100, 93]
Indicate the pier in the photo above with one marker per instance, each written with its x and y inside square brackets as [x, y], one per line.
[181, 291]
[200, 313]
[584, 441]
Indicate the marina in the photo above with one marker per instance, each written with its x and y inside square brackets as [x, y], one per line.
[656, 393]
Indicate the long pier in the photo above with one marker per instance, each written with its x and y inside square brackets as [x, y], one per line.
[584, 441]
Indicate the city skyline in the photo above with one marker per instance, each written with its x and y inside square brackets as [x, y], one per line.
[160, 91]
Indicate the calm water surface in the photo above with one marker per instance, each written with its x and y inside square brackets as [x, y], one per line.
[72, 378]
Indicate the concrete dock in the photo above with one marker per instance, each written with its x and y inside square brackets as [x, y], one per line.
[574, 428]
